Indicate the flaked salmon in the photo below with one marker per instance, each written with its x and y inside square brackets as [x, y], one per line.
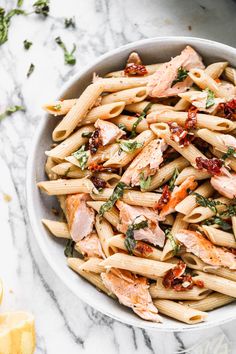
[179, 193]
[225, 185]
[205, 250]
[108, 132]
[131, 291]
[200, 99]
[90, 246]
[130, 214]
[161, 84]
[146, 163]
[80, 217]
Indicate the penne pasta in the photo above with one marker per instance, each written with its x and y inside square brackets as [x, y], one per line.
[211, 302]
[66, 186]
[217, 140]
[60, 107]
[112, 215]
[106, 111]
[49, 165]
[122, 83]
[129, 121]
[139, 107]
[105, 233]
[92, 265]
[191, 171]
[57, 228]
[230, 74]
[69, 170]
[129, 96]
[216, 69]
[219, 237]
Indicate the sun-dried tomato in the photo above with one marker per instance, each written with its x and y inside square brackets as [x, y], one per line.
[213, 166]
[98, 182]
[94, 167]
[199, 283]
[133, 69]
[142, 249]
[180, 135]
[94, 141]
[229, 109]
[164, 199]
[191, 121]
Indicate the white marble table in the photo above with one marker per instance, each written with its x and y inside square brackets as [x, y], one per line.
[65, 324]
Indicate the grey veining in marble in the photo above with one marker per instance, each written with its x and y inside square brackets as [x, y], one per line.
[65, 324]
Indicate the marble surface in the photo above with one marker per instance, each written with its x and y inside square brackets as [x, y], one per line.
[65, 324]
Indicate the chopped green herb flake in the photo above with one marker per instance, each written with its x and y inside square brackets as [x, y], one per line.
[175, 246]
[70, 22]
[208, 203]
[69, 250]
[210, 98]
[20, 3]
[139, 119]
[121, 126]
[11, 110]
[5, 22]
[129, 146]
[130, 242]
[27, 44]
[30, 70]
[181, 76]
[57, 107]
[144, 183]
[41, 7]
[173, 179]
[68, 56]
[218, 221]
[117, 194]
[86, 134]
[230, 152]
[82, 156]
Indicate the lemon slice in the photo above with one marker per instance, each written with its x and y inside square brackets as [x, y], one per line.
[17, 333]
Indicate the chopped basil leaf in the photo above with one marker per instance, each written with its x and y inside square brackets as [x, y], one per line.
[27, 44]
[30, 70]
[69, 250]
[144, 183]
[117, 194]
[210, 98]
[230, 152]
[218, 221]
[68, 56]
[41, 7]
[70, 22]
[82, 156]
[86, 134]
[175, 246]
[121, 126]
[230, 211]
[181, 76]
[208, 203]
[130, 242]
[129, 146]
[57, 107]
[20, 3]
[11, 110]
[173, 179]
[141, 117]
[5, 22]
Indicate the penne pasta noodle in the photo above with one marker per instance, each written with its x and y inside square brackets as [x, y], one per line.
[121, 83]
[139, 107]
[230, 74]
[59, 108]
[219, 237]
[189, 203]
[216, 69]
[214, 138]
[112, 215]
[211, 302]
[105, 233]
[57, 228]
[229, 161]
[128, 122]
[191, 171]
[49, 165]
[157, 290]
[150, 69]
[233, 219]
[78, 112]
[66, 186]
[69, 170]
[180, 312]
[143, 266]
[92, 265]
[129, 96]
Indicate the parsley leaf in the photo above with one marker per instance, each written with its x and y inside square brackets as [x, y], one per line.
[68, 56]
[5, 22]
[30, 70]
[86, 134]
[11, 110]
[141, 117]
[69, 250]
[42, 7]
[130, 242]
[218, 221]
[230, 211]
[129, 146]
[175, 246]
[181, 76]
[209, 203]
[70, 22]
[173, 179]
[117, 194]
[230, 152]
[144, 183]
[210, 98]
[82, 156]
[27, 44]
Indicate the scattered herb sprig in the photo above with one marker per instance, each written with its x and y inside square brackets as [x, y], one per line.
[11, 110]
[70, 22]
[173, 179]
[41, 7]
[68, 56]
[141, 117]
[5, 22]
[218, 221]
[209, 203]
[87, 134]
[175, 246]
[129, 146]
[20, 3]
[210, 98]
[69, 249]
[144, 183]
[130, 242]
[30, 70]
[181, 76]
[230, 152]
[117, 194]
[82, 156]
[27, 44]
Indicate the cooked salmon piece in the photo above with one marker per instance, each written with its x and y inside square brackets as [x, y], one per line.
[225, 185]
[146, 163]
[199, 99]
[108, 132]
[90, 246]
[131, 291]
[161, 84]
[178, 194]
[134, 214]
[205, 250]
[228, 89]
[80, 217]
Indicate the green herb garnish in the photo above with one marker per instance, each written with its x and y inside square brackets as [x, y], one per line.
[5, 22]
[175, 246]
[173, 179]
[82, 156]
[70, 22]
[130, 242]
[11, 110]
[30, 70]
[41, 7]
[69, 250]
[27, 44]
[141, 117]
[230, 152]
[87, 134]
[207, 203]
[181, 76]
[68, 56]
[20, 3]
[129, 146]
[117, 194]
[144, 183]
[210, 98]
[218, 221]
[57, 107]
[230, 211]
[122, 126]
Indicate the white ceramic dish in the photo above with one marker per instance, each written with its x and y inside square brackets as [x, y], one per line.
[39, 205]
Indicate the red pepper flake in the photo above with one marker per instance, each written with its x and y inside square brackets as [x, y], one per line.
[229, 109]
[95, 141]
[180, 135]
[213, 166]
[98, 182]
[133, 69]
[165, 197]
[191, 121]
[177, 280]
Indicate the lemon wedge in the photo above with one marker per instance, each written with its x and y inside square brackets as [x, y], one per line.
[17, 333]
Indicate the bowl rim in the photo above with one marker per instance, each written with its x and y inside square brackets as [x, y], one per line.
[30, 184]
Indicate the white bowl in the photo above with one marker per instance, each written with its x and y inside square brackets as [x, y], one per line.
[39, 205]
